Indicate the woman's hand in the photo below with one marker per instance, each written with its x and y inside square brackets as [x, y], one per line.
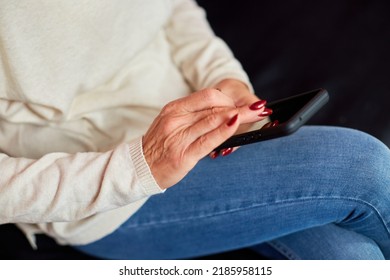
[238, 91]
[189, 128]
[241, 96]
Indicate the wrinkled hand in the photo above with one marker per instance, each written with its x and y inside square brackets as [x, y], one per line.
[241, 96]
[189, 128]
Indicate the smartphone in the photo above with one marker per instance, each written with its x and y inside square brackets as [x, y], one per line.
[289, 114]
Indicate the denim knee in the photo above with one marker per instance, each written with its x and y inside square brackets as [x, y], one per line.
[367, 161]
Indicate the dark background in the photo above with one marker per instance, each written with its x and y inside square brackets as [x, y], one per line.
[288, 47]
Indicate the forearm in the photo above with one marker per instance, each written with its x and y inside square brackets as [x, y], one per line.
[65, 187]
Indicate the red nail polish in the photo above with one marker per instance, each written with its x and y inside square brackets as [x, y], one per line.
[213, 154]
[226, 152]
[266, 112]
[233, 120]
[258, 105]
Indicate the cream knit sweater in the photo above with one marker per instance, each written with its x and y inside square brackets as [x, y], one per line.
[80, 82]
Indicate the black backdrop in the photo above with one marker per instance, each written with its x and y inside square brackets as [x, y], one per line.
[288, 47]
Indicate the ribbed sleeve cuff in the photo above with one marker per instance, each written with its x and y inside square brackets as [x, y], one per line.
[142, 169]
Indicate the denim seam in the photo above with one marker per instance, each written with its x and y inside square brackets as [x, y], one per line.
[267, 204]
[284, 250]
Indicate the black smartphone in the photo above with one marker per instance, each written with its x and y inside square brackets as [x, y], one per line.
[289, 114]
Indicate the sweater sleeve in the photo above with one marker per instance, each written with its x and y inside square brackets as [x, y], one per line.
[203, 58]
[66, 187]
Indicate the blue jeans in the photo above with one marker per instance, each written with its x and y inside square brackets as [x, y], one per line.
[321, 193]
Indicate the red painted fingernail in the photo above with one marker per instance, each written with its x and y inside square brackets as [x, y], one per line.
[258, 105]
[275, 123]
[266, 112]
[226, 152]
[213, 154]
[233, 120]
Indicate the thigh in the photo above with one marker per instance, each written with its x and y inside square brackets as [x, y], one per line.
[259, 193]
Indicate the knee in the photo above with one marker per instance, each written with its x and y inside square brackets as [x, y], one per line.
[355, 149]
[367, 155]
[365, 161]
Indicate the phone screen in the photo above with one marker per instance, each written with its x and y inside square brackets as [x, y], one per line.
[285, 109]
[288, 115]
